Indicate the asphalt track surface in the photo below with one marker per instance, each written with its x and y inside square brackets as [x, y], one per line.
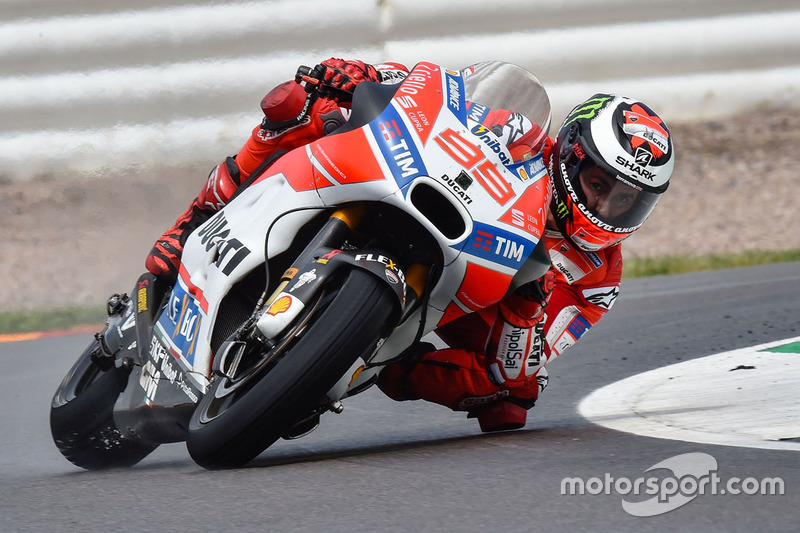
[386, 466]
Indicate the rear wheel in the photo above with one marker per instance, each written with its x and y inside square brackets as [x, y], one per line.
[241, 416]
[81, 417]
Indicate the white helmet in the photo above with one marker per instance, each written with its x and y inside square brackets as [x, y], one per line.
[611, 161]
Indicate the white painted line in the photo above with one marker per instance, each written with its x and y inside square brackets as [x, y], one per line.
[211, 138]
[625, 47]
[106, 150]
[554, 51]
[744, 398]
[204, 76]
[176, 24]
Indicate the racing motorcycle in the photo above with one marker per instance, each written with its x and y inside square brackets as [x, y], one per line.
[318, 274]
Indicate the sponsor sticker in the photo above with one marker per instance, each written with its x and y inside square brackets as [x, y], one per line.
[391, 277]
[141, 296]
[455, 96]
[281, 305]
[398, 148]
[602, 296]
[180, 322]
[498, 245]
[305, 277]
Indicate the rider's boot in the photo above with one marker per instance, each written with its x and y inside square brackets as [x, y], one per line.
[264, 147]
[165, 257]
[458, 379]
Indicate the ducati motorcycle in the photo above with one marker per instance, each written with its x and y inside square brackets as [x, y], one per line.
[316, 275]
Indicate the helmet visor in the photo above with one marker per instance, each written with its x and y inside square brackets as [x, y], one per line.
[610, 202]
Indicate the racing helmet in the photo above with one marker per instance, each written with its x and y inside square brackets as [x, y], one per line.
[610, 163]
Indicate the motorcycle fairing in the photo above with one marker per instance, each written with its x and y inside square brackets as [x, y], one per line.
[500, 232]
[162, 391]
[456, 102]
[269, 207]
[381, 161]
[360, 168]
[399, 150]
[497, 245]
[421, 107]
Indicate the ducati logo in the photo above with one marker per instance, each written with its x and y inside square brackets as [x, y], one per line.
[647, 132]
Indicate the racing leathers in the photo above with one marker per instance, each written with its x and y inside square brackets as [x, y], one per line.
[494, 365]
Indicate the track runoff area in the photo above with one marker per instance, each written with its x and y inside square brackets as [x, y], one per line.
[745, 398]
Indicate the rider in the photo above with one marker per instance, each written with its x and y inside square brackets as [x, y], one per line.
[609, 163]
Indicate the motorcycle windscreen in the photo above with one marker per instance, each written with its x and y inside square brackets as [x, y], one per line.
[518, 100]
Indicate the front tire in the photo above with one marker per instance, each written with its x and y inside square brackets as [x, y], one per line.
[229, 431]
[81, 417]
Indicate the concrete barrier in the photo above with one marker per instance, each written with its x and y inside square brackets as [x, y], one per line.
[89, 88]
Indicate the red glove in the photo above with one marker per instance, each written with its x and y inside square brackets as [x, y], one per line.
[346, 75]
[525, 307]
[515, 349]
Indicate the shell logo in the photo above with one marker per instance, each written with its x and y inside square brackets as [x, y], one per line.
[357, 373]
[281, 305]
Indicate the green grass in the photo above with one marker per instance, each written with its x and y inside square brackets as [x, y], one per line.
[66, 318]
[52, 319]
[680, 264]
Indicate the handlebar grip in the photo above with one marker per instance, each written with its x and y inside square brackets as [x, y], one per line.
[302, 71]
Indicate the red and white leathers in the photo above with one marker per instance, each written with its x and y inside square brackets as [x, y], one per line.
[462, 377]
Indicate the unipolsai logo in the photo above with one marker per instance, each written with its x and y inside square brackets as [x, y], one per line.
[671, 484]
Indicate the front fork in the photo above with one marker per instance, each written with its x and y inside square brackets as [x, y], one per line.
[300, 285]
[322, 257]
[333, 233]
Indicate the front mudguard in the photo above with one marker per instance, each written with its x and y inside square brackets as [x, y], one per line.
[306, 282]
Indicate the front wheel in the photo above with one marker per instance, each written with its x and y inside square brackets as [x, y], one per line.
[239, 418]
[81, 417]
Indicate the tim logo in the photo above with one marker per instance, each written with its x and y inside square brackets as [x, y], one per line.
[398, 149]
[499, 246]
[477, 111]
[483, 240]
[390, 131]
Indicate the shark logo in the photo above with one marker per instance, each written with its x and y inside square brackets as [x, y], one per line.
[643, 157]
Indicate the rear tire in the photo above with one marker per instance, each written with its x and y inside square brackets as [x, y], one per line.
[81, 417]
[227, 431]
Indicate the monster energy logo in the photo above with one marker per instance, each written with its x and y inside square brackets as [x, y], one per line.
[587, 110]
[562, 210]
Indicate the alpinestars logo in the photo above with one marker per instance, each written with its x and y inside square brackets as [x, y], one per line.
[602, 296]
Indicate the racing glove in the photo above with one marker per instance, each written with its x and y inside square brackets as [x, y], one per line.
[346, 75]
[336, 78]
[515, 348]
